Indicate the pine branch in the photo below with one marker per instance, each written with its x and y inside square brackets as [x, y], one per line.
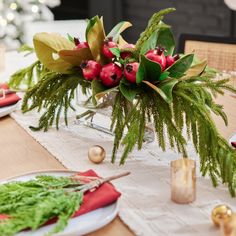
[28, 76]
[54, 92]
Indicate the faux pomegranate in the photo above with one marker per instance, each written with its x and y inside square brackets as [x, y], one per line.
[108, 43]
[171, 60]
[131, 71]
[79, 45]
[157, 55]
[111, 74]
[123, 55]
[91, 69]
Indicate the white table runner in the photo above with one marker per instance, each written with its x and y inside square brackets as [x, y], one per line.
[145, 205]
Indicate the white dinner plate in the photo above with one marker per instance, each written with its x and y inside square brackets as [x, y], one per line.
[233, 138]
[80, 225]
[4, 111]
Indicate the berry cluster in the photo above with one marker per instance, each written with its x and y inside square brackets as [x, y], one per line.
[111, 73]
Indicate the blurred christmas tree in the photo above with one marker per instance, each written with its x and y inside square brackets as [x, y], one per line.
[15, 13]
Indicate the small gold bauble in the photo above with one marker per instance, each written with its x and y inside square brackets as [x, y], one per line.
[221, 214]
[96, 154]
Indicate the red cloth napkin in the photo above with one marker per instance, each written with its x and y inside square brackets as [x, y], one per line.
[106, 194]
[233, 144]
[10, 99]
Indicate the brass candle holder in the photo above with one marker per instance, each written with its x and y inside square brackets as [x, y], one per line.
[183, 181]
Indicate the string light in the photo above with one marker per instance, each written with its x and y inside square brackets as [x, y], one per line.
[13, 6]
[10, 16]
[34, 8]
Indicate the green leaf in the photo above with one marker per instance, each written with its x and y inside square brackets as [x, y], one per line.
[70, 38]
[25, 48]
[148, 70]
[47, 47]
[140, 76]
[167, 87]
[158, 90]
[95, 36]
[178, 69]
[164, 75]
[162, 36]
[97, 88]
[166, 39]
[129, 90]
[115, 51]
[118, 29]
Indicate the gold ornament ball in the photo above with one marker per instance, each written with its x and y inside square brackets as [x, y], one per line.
[96, 154]
[221, 214]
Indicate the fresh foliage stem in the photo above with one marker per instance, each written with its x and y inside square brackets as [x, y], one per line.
[31, 204]
[54, 92]
[28, 76]
[191, 109]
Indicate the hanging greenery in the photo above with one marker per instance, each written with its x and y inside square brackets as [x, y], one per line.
[150, 84]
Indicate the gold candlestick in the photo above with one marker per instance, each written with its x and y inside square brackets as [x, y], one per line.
[183, 181]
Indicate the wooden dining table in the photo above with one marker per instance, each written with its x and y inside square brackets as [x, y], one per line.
[20, 153]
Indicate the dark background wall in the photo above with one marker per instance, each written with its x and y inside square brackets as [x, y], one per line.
[205, 17]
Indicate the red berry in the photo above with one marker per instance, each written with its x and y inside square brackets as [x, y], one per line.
[131, 71]
[110, 75]
[79, 45]
[123, 55]
[108, 43]
[157, 55]
[171, 60]
[91, 69]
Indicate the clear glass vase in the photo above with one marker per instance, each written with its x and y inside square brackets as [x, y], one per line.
[99, 117]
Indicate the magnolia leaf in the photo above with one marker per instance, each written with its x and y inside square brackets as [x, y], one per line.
[164, 75]
[148, 70]
[140, 74]
[166, 39]
[47, 45]
[129, 90]
[195, 70]
[97, 88]
[76, 56]
[178, 69]
[167, 87]
[158, 90]
[162, 36]
[95, 36]
[122, 42]
[118, 29]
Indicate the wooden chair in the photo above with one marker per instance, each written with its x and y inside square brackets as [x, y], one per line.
[220, 52]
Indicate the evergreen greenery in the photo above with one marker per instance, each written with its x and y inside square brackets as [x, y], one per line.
[30, 204]
[177, 100]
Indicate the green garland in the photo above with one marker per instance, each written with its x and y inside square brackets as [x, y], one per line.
[180, 98]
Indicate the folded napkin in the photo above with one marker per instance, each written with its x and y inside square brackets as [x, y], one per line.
[10, 99]
[104, 195]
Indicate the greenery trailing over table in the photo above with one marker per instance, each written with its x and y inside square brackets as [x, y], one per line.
[178, 100]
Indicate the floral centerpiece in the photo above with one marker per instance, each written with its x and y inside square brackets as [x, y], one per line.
[175, 93]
